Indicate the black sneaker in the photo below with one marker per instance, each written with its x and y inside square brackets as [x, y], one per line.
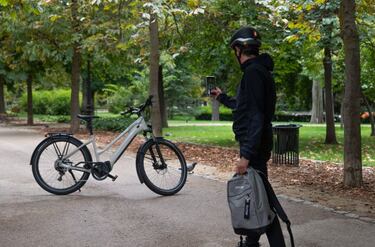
[245, 243]
[241, 243]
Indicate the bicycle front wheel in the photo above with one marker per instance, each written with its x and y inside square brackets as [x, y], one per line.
[50, 167]
[162, 167]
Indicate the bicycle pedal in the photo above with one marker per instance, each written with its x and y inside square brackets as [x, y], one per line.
[112, 177]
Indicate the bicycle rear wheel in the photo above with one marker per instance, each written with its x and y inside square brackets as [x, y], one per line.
[162, 167]
[48, 160]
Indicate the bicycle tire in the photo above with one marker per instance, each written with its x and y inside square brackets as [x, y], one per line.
[181, 166]
[43, 149]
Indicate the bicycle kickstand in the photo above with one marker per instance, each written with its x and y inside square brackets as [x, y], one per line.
[112, 177]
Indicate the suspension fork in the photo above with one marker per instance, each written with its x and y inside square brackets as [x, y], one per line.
[157, 150]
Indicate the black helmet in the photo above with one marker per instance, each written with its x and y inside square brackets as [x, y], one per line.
[245, 37]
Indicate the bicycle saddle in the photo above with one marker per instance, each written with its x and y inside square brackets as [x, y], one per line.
[86, 117]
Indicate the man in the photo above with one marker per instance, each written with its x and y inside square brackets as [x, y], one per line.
[253, 109]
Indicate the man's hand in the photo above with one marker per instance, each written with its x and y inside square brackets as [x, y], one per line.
[242, 166]
[215, 92]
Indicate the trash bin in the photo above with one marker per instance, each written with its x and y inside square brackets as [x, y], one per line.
[286, 144]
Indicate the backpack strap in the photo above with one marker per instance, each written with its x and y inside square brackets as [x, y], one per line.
[274, 202]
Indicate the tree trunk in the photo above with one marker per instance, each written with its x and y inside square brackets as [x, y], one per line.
[163, 104]
[87, 105]
[342, 114]
[215, 110]
[154, 76]
[372, 121]
[317, 103]
[352, 127]
[2, 97]
[76, 67]
[330, 120]
[92, 101]
[84, 96]
[30, 118]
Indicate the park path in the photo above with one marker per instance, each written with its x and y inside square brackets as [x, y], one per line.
[126, 213]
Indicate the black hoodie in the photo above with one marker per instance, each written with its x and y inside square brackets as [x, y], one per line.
[253, 107]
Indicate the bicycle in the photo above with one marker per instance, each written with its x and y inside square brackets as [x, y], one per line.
[61, 164]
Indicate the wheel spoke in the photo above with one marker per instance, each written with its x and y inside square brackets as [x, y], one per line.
[57, 150]
[66, 149]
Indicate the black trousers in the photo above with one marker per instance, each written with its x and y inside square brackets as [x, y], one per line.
[274, 233]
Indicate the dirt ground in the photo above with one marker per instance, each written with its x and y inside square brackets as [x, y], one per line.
[319, 182]
[315, 181]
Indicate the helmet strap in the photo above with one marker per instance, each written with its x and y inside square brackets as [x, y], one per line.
[238, 56]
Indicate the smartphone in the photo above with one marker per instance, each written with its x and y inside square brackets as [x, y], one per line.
[210, 84]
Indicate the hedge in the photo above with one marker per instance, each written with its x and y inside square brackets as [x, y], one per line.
[49, 102]
[112, 123]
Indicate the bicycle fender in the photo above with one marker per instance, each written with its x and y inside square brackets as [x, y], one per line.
[49, 137]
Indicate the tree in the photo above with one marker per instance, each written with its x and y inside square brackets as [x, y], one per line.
[30, 117]
[328, 44]
[316, 20]
[330, 120]
[154, 75]
[163, 103]
[352, 130]
[76, 67]
[24, 50]
[366, 25]
[87, 92]
[317, 103]
[371, 116]
[2, 96]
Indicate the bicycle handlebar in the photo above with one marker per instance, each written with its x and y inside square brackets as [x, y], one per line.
[140, 109]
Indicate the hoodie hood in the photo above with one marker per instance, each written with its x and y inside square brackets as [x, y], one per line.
[263, 59]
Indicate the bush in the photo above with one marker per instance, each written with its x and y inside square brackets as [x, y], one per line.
[208, 116]
[54, 102]
[118, 101]
[291, 117]
[60, 103]
[112, 123]
[205, 112]
[54, 119]
[120, 97]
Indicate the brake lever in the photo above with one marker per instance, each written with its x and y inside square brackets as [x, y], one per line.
[127, 112]
[130, 111]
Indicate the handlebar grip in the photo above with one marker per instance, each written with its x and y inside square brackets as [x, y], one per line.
[126, 112]
[133, 110]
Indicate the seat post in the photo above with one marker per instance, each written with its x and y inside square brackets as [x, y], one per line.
[89, 126]
[88, 120]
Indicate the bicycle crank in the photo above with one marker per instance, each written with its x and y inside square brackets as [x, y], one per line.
[101, 170]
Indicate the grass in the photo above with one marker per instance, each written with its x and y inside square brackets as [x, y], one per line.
[311, 140]
[219, 133]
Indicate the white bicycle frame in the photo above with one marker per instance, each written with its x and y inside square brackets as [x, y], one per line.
[133, 130]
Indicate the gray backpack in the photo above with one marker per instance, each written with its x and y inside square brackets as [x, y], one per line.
[248, 203]
[253, 204]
